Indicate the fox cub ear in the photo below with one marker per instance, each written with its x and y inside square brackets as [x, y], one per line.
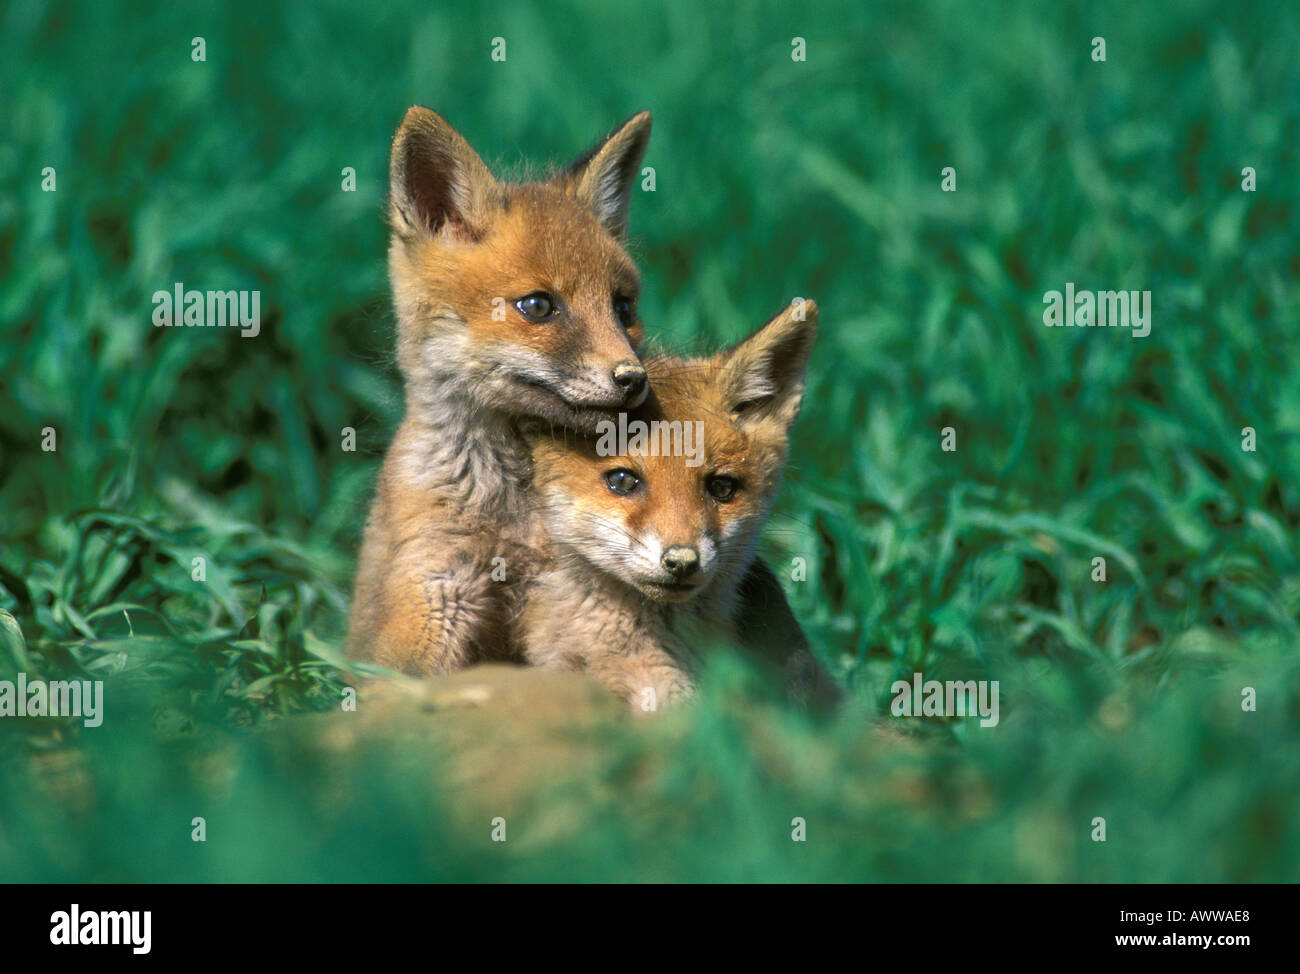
[763, 376]
[603, 176]
[436, 182]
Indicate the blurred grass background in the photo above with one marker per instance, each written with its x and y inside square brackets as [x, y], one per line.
[774, 179]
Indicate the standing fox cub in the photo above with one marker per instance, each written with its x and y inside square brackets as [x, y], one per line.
[649, 542]
[516, 303]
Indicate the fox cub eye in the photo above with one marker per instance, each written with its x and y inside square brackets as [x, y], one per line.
[537, 306]
[623, 311]
[622, 481]
[721, 488]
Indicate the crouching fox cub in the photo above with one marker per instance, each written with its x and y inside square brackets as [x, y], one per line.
[646, 545]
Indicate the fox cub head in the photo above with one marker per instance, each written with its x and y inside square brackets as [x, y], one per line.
[671, 498]
[517, 296]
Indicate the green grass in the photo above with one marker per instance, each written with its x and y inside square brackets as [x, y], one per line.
[774, 179]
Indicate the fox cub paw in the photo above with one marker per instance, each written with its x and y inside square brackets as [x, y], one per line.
[661, 694]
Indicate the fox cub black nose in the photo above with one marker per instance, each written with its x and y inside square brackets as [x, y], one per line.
[630, 377]
[681, 562]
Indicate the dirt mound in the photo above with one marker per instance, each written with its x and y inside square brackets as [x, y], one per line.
[499, 734]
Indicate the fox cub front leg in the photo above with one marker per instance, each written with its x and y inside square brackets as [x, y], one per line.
[428, 604]
[622, 643]
[646, 676]
[440, 620]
